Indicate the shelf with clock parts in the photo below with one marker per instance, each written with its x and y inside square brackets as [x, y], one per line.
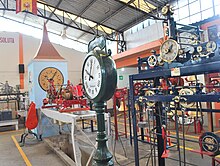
[172, 56]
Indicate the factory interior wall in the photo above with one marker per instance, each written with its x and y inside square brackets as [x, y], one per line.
[144, 36]
[9, 46]
[124, 75]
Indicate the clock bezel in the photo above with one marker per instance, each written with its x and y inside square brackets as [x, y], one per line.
[83, 74]
[39, 82]
[108, 75]
[161, 48]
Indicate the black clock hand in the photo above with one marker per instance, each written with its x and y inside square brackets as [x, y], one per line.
[54, 75]
[170, 48]
[90, 71]
[90, 76]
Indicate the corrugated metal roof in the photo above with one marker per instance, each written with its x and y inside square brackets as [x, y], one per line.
[91, 15]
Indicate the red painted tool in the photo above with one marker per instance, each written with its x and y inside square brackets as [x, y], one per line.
[164, 136]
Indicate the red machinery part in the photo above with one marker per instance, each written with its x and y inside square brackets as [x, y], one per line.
[164, 136]
[137, 88]
[65, 98]
[120, 96]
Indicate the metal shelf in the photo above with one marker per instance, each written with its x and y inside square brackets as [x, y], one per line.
[203, 68]
[189, 98]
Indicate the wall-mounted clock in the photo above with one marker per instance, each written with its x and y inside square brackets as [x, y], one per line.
[99, 76]
[50, 73]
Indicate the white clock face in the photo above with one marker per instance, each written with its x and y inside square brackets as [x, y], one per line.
[169, 50]
[92, 77]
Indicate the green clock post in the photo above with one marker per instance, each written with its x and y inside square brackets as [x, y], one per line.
[99, 82]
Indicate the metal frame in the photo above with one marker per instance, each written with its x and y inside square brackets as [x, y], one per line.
[61, 19]
[209, 67]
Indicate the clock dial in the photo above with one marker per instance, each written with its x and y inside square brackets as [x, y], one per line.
[169, 50]
[92, 77]
[50, 73]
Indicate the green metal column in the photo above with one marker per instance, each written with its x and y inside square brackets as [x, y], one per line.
[102, 156]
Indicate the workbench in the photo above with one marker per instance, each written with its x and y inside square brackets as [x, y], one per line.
[71, 118]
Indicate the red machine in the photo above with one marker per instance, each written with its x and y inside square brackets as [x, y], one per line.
[66, 98]
[120, 95]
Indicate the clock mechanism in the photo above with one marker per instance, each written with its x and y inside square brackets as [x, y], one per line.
[188, 41]
[169, 50]
[50, 74]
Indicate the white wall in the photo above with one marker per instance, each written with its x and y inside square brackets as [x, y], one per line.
[127, 71]
[10, 58]
[143, 36]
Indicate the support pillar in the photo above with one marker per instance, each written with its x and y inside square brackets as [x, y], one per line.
[102, 156]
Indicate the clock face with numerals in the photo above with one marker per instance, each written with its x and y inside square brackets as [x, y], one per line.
[169, 50]
[92, 76]
[50, 73]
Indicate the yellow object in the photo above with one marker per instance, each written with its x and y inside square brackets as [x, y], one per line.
[23, 155]
[122, 108]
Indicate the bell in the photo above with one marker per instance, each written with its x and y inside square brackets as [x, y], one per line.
[121, 108]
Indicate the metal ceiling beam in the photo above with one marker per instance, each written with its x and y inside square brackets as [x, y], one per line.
[117, 11]
[140, 19]
[74, 14]
[51, 14]
[40, 29]
[82, 12]
[57, 18]
[132, 7]
[110, 16]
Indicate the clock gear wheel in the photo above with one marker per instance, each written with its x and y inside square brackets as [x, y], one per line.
[152, 61]
[183, 92]
[150, 93]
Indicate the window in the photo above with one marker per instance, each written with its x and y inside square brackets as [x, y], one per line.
[217, 2]
[194, 7]
[184, 12]
[205, 4]
[182, 3]
[217, 10]
[185, 21]
[195, 18]
[190, 1]
[207, 13]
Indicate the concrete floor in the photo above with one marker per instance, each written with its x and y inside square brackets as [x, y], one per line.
[39, 154]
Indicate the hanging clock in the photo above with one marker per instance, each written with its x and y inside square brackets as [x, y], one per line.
[99, 76]
[50, 73]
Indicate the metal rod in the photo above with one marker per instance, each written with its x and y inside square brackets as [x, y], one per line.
[181, 87]
[191, 26]
[177, 135]
[134, 120]
[129, 116]
[184, 150]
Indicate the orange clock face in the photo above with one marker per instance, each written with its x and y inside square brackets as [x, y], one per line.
[50, 73]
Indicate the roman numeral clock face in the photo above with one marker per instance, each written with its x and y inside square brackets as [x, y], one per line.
[92, 77]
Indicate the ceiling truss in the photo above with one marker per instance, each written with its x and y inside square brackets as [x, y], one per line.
[61, 19]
